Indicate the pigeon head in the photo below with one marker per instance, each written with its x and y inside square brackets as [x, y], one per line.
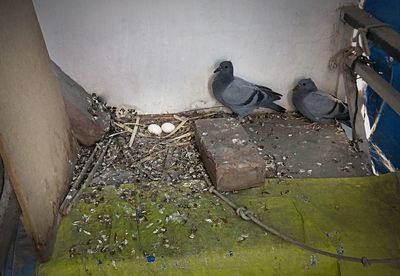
[307, 85]
[225, 67]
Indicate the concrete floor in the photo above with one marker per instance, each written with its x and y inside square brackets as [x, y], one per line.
[293, 149]
[290, 147]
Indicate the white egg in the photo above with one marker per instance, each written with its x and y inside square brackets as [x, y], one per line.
[167, 127]
[154, 129]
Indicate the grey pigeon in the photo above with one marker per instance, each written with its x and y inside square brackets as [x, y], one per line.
[319, 106]
[241, 96]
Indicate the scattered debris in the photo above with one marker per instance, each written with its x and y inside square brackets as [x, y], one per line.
[174, 156]
[313, 260]
[242, 237]
[135, 129]
[77, 193]
[340, 249]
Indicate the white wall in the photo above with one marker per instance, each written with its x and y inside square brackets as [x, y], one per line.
[157, 55]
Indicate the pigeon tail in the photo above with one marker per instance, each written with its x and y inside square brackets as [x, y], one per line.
[269, 91]
[275, 107]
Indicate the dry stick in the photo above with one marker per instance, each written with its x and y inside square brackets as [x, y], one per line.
[150, 156]
[134, 124]
[80, 177]
[124, 127]
[117, 133]
[176, 129]
[187, 134]
[194, 118]
[135, 129]
[77, 195]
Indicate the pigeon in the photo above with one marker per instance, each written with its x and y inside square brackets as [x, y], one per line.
[319, 106]
[241, 96]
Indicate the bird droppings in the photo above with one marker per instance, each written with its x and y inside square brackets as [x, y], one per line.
[313, 260]
[242, 237]
[340, 249]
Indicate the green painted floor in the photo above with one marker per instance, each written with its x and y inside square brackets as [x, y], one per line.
[181, 229]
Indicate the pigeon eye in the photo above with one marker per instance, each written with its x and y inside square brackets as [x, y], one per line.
[226, 67]
[304, 84]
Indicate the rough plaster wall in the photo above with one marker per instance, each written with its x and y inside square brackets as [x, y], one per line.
[35, 138]
[158, 55]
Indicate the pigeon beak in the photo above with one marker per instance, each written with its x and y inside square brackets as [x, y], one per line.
[217, 70]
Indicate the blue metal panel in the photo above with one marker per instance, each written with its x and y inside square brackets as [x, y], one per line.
[21, 259]
[385, 139]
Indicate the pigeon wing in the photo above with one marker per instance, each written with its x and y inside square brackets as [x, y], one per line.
[240, 92]
[323, 105]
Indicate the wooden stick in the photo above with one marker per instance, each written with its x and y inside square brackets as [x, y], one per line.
[117, 133]
[124, 127]
[134, 124]
[80, 177]
[188, 134]
[202, 116]
[78, 193]
[135, 129]
[194, 118]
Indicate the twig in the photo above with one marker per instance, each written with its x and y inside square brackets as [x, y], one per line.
[150, 156]
[124, 127]
[134, 124]
[117, 133]
[77, 181]
[179, 118]
[188, 134]
[135, 129]
[195, 118]
[78, 193]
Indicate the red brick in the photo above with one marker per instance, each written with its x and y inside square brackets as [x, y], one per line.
[231, 161]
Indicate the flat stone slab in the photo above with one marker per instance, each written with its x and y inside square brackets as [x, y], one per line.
[231, 161]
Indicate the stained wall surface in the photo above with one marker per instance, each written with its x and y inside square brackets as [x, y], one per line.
[158, 55]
